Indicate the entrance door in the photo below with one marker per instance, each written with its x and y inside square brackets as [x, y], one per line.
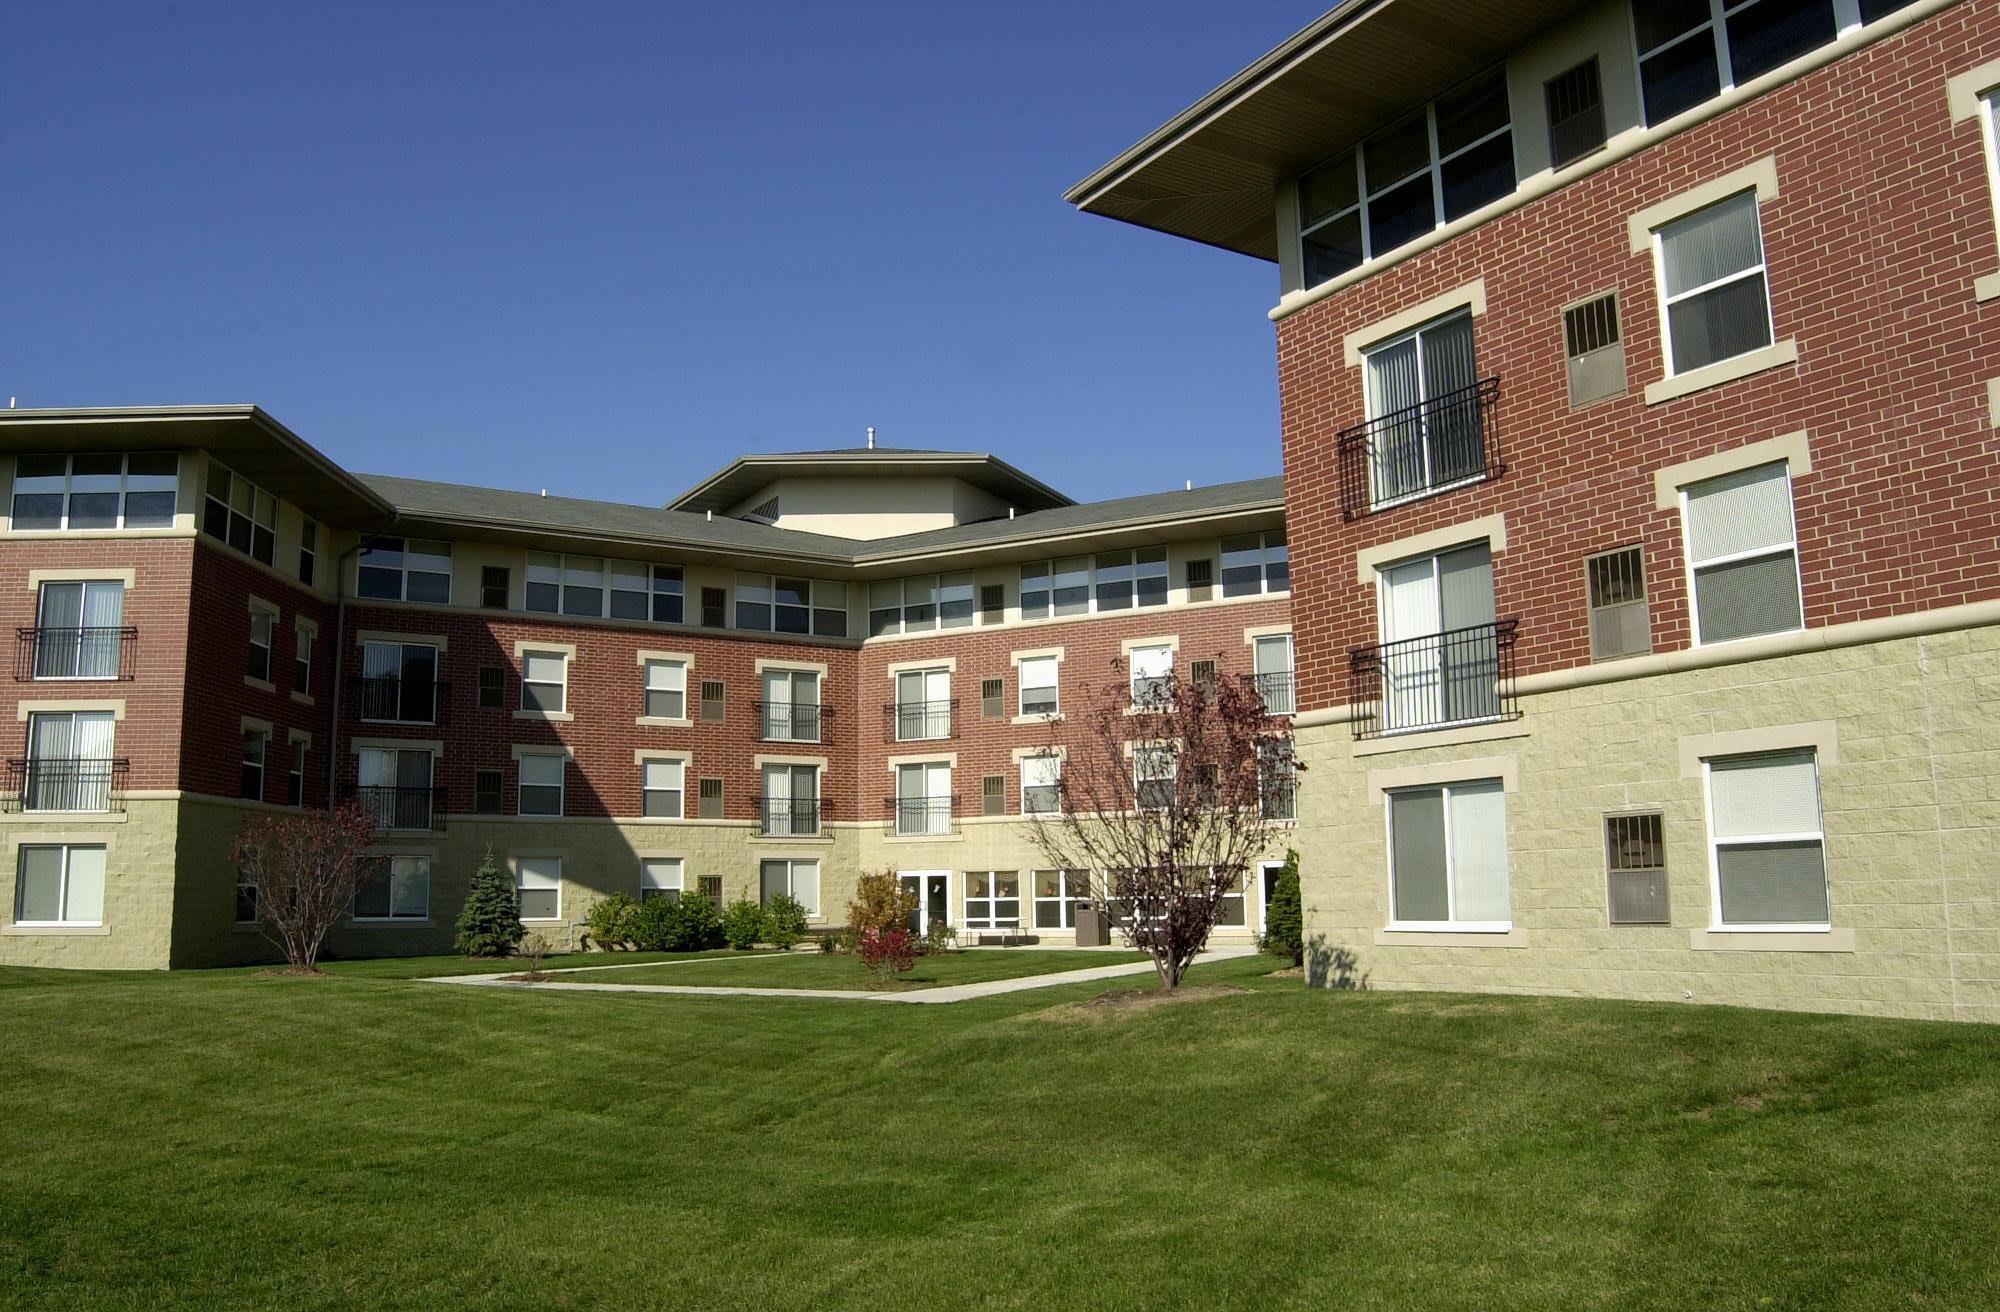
[932, 889]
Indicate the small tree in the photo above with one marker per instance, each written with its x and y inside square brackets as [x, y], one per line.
[305, 869]
[786, 922]
[490, 924]
[1284, 921]
[1163, 798]
[744, 923]
[880, 903]
[888, 953]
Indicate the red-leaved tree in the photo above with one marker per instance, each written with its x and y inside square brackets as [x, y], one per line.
[305, 869]
[1162, 804]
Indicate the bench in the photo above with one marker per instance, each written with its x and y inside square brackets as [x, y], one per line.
[1008, 935]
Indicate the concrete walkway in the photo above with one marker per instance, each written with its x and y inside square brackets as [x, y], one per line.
[948, 993]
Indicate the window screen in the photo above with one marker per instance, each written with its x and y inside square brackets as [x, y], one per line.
[1620, 624]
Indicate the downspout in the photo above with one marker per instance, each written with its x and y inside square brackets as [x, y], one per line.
[339, 662]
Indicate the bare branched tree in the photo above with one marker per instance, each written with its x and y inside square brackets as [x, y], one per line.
[1162, 802]
[305, 870]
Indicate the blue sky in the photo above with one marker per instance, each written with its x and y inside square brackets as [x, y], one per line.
[603, 248]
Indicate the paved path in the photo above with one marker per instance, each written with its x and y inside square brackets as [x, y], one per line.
[949, 993]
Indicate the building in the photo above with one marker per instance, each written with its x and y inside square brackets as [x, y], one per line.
[1640, 374]
[806, 666]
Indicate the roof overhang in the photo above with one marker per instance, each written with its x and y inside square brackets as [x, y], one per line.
[742, 477]
[243, 437]
[1211, 173]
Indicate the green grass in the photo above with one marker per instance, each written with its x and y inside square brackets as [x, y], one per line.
[226, 1140]
[822, 970]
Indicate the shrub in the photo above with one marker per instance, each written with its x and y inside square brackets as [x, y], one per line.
[532, 950]
[490, 924]
[888, 953]
[608, 927]
[880, 903]
[694, 926]
[786, 923]
[651, 925]
[743, 924]
[1284, 923]
[939, 939]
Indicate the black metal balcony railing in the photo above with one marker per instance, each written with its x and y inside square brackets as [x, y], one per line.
[922, 816]
[69, 784]
[393, 699]
[917, 721]
[1279, 690]
[789, 817]
[791, 722]
[1463, 676]
[401, 808]
[93, 653]
[1449, 439]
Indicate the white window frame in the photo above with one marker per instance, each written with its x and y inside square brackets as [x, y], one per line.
[672, 676]
[530, 710]
[626, 578]
[63, 918]
[1022, 768]
[263, 512]
[521, 869]
[268, 618]
[1450, 925]
[647, 791]
[653, 876]
[1266, 558]
[1022, 686]
[823, 597]
[1066, 901]
[1989, 136]
[1170, 775]
[1158, 564]
[794, 867]
[1715, 845]
[304, 636]
[1132, 675]
[1689, 568]
[793, 680]
[929, 590]
[124, 490]
[1666, 303]
[405, 549]
[992, 919]
[1376, 501]
[262, 760]
[522, 784]
[392, 878]
[1846, 19]
[75, 788]
[83, 648]
[295, 774]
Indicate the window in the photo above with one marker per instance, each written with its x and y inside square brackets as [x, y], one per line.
[1272, 655]
[798, 879]
[589, 587]
[923, 704]
[70, 766]
[1575, 102]
[492, 688]
[992, 899]
[1041, 785]
[1714, 300]
[541, 791]
[486, 792]
[1767, 863]
[395, 569]
[60, 885]
[1200, 579]
[1594, 350]
[791, 706]
[1201, 674]
[669, 599]
[714, 607]
[240, 513]
[79, 630]
[394, 786]
[295, 778]
[661, 876]
[714, 702]
[86, 490]
[1038, 676]
[920, 605]
[1426, 431]
[399, 682]
[992, 603]
[246, 901]
[256, 744]
[1277, 780]
[262, 622]
[538, 883]
[302, 660]
[1083, 585]
[711, 799]
[495, 584]
[399, 888]
[1154, 770]
[1131, 578]
[1059, 895]
[781, 605]
[308, 551]
[544, 682]
[1055, 587]
[1448, 857]
[1152, 674]
[1635, 862]
[663, 788]
[666, 690]
[1619, 622]
[923, 798]
[1691, 50]
[1445, 161]
[993, 794]
[1440, 653]
[711, 889]
[1254, 563]
[790, 803]
[992, 699]
[1742, 554]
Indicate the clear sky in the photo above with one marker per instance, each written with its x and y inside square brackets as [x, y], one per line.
[603, 248]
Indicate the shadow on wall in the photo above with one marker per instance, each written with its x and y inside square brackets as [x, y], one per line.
[1329, 967]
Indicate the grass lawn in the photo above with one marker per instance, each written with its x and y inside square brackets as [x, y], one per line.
[822, 970]
[226, 1140]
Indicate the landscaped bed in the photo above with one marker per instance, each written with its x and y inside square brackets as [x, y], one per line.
[832, 970]
[224, 1141]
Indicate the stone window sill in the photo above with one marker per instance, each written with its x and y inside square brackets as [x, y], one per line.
[1440, 938]
[1723, 371]
[1729, 940]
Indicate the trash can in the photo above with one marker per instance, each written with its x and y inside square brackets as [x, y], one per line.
[1093, 929]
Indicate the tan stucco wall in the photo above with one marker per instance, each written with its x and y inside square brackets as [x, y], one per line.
[1911, 811]
[138, 890]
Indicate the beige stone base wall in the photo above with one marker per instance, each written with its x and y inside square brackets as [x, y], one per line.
[136, 929]
[1910, 798]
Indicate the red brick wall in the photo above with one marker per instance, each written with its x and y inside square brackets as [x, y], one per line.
[1883, 220]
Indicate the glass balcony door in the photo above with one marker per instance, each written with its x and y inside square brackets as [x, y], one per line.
[1428, 433]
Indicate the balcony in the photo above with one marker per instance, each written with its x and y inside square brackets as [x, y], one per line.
[789, 817]
[911, 722]
[393, 699]
[1443, 442]
[390, 807]
[1279, 691]
[1464, 676]
[87, 654]
[921, 817]
[788, 722]
[46, 784]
